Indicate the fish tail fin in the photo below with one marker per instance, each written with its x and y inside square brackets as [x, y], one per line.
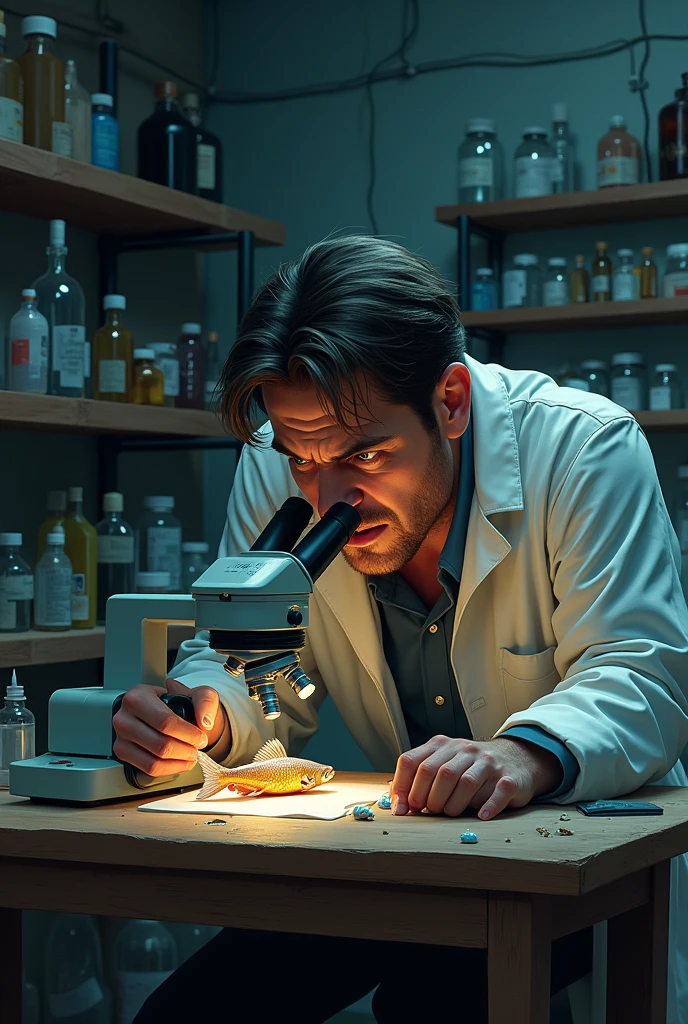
[213, 777]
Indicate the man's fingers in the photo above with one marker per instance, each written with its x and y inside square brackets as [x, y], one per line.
[206, 705]
[146, 762]
[405, 774]
[144, 702]
[463, 780]
[504, 793]
[133, 730]
[438, 774]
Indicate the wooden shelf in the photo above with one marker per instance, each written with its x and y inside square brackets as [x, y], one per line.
[586, 316]
[669, 420]
[576, 209]
[38, 648]
[41, 184]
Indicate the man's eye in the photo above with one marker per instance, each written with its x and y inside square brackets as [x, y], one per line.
[367, 457]
[298, 462]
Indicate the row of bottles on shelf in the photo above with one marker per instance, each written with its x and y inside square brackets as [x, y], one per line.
[47, 351]
[79, 566]
[544, 164]
[523, 284]
[43, 104]
[627, 382]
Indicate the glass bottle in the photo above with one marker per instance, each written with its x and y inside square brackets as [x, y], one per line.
[43, 72]
[104, 132]
[28, 340]
[480, 163]
[601, 274]
[213, 370]
[208, 151]
[676, 270]
[159, 540]
[167, 143]
[81, 547]
[648, 274]
[562, 167]
[580, 281]
[113, 353]
[16, 585]
[521, 284]
[191, 367]
[52, 607]
[555, 291]
[625, 282]
[629, 381]
[152, 582]
[148, 383]
[167, 360]
[484, 290]
[56, 508]
[116, 555]
[533, 164]
[194, 563]
[78, 114]
[618, 156]
[11, 93]
[61, 301]
[673, 135]
[17, 731]
[145, 955]
[73, 984]
[596, 373]
[666, 391]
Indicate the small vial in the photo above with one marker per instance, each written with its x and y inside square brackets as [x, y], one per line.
[484, 291]
[152, 583]
[194, 562]
[666, 391]
[624, 284]
[53, 604]
[104, 133]
[148, 385]
[648, 274]
[580, 281]
[601, 274]
[596, 373]
[16, 586]
[17, 731]
[555, 291]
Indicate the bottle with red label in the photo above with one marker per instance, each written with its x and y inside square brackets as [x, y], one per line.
[29, 347]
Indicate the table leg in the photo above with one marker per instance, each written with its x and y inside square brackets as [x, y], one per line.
[519, 949]
[11, 960]
[637, 950]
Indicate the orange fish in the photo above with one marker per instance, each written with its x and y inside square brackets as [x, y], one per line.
[271, 771]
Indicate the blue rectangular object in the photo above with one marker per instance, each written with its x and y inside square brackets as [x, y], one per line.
[618, 808]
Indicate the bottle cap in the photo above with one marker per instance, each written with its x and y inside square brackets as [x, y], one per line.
[152, 580]
[560, 112]
[624, 252]
[601, 245]
[191, 101]
[38, 26]
[485, 271]
[75, 494]
[679, 249]
[144, 353]
[525, 259]
[11, 540]
[57, 232]
[625, 358]
[557, 261]
[617, 121]
[114, 302]
[665, 368]
[481, 124]
[191, 328]
[102, 99]
[158, 501]
[534, 130]
[57, 501]
[683, 472]
[593, 364]
[113, 501]
[56, 535]
[28, 294]
[14, 690]
[165, 90]
[195, 547]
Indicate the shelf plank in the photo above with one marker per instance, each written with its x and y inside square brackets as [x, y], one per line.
[583, 316]
[669, 420]
[576, 209]
[41, 184]
[38, 648]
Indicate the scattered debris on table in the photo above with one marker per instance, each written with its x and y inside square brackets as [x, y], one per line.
[385, 802]
[469, 837]
[564, 817]
[507, 840]
[543, 832]
[215, 821]
[385, 833]
[363, 813]
[563, 832]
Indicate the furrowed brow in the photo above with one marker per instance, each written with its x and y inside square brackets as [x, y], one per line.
[358, 445]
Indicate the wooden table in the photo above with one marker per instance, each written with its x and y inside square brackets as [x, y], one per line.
[402, 879]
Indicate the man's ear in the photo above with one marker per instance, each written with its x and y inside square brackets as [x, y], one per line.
[453, 400]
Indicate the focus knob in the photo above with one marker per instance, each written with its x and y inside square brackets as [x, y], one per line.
[294, 616]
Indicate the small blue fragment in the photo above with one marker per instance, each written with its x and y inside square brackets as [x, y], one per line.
[363, 813]
[385, 802]
[469, 837]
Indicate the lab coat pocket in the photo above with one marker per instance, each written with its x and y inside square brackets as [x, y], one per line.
[526, 677]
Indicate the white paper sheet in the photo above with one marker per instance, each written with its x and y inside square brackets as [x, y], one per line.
[327, 803]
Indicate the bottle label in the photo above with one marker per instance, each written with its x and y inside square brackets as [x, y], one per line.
[626, 391]
[133, 988]
[69, 354]
[8, 614]
[533, 177]
[206, 166]
[624, 287]
[600, 284]
[115, 550]
[105, 142]
[555, 293]
[21, 348]
[79, 597]
[675, 284]
[170, 372]
[165, 552]
[617, 170]
[53, 605]
[112, 376]
[11, 120]
[514, 287]
[63, 138]
[77, 1001]
[15, 587]
[476, 170]
[32, 353]
[660, 397]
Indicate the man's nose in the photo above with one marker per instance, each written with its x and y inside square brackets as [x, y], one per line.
[334, 487]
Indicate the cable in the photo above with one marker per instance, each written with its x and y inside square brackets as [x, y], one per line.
[642, 86]
[212, 85]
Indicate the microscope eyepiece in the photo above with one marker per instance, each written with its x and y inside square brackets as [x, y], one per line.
[285, 527]
[327, 538]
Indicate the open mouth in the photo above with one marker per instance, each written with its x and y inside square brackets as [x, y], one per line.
[363, 537]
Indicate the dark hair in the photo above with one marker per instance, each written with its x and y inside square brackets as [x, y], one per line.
[348, 306]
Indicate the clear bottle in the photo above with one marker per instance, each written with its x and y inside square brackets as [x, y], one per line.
[629, 381]
[484, 290]
[522, 283]
[618, 156]
[556, 291]
[167, 360]
[562, 143]
[159, 540]
[113, 354]
[145, 955]
[208, 151]
[480, 163]
[167, 143]
[78, 113]
[81, 547]
[104, 132]
[681, 524]
[52, 608]
[17, 731]
[56, 509]
[16, 585]
[148, 382]
[11, 93]
[213, 370]
[45, 125]
[73, 979]
[601, 274]
[29, 347]
[194, 562]
[676, 270]
[625, 280]
[579, 284]
[191, 367]
[673, 135]
[648, 274]
[116, 554]
[596, 373]
[533, 164]
[666, 391]
[61, 301]
[152, 583]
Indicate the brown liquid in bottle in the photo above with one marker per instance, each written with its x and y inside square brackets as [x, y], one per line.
[580, 281]
[601, 274]
[648, 275]
[673, 135]
[44, 95]
[11, 93]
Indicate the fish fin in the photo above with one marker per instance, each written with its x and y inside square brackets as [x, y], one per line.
[271, 749]
[237, 787]
[213, 780]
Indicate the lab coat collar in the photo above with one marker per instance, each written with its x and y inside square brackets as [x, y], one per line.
[497, 468]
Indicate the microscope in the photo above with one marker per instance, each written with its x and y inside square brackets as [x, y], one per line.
[255, 607]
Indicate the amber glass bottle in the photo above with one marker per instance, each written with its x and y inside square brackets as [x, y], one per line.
[113, 354]
[11, 93]
[43, 72]
[601, 274]
[580, 281]
[148, 382]
[673, 135]
[648, 274]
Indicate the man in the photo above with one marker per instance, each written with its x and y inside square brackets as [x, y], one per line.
[507, 624]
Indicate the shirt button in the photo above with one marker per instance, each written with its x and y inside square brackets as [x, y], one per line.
[433, 629]
[439, 700]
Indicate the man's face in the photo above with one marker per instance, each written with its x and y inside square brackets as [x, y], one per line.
[398, 474]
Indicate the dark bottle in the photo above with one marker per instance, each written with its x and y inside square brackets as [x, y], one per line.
[167, 143]
[673, 135]
[191, 367]
[208, 151]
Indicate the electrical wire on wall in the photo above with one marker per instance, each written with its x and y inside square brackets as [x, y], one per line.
[641, 86]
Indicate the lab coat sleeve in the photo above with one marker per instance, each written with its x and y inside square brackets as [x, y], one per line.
[620, 619]
[261, 485]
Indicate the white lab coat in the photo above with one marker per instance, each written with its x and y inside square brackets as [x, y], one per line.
[570, 614]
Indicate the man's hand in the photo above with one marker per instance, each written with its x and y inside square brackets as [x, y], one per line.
[154, 739]
[448, 775]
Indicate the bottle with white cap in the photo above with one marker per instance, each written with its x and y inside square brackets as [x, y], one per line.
[113, 353]
[618, 156]
[61, 301]
[16, 585]
[45, 124]
[191, 367]
[533, 164]
[625, 281]
[147, 379]
[105, 132]
[556, 291]
[562, 143]
[52, 608]
[81, 546]
[480, 163]
[17, 730]
[115, 552]
[194, 562]
[11, 93]
[159, 540]
[666, 390]
[29, 347]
